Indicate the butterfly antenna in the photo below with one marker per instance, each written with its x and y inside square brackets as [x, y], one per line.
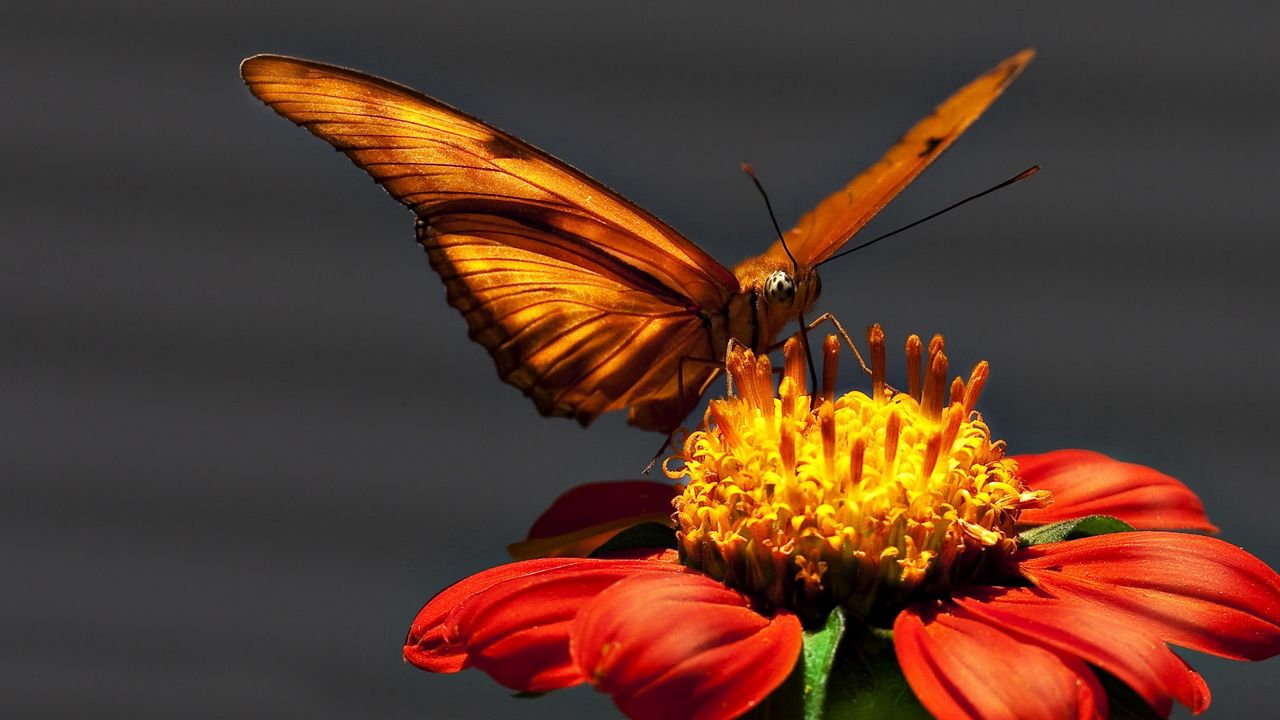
[1020, 176]
[795, 266]
[751, 173]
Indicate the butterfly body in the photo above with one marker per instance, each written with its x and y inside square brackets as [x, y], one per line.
[585, 301]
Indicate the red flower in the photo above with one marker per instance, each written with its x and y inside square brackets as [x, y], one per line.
[658, 636]
[1015, 637]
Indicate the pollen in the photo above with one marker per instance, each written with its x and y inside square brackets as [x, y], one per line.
[866, 501]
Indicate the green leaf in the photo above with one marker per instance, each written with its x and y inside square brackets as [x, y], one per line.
[644, 535]
[866, 682]
[1073, 530]
[817, 656]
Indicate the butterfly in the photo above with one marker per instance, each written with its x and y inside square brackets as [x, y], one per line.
[587, 303]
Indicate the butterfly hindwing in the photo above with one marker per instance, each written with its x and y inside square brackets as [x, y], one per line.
[577, 338]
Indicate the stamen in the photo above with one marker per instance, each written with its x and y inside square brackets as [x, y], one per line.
[830, 359]
[827, 423]
[787, 394]
[875, 338]
[856, 456]
[787, 446]
[732, 365]
[976, 380]
[758, 386]
[914, 349]
[936, 345]
[951, 419]
[722, 422]
[891, 430]
[957, 391]
[787, 437]
[931, 451]
[741, 367]
[794, 363]
[934, 384]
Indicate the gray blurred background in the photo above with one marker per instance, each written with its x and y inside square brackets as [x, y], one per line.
[243, 437]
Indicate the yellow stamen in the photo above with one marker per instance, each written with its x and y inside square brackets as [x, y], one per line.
[935, 379]
[957, 391]
[913, 366]
[794, 367]
[856, 456]
[875, 338]
[830, 354]
[892, 428]
[976, 380]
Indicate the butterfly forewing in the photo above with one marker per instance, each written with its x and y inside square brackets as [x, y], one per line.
[586, 302]
[437, 160]
[822, 231]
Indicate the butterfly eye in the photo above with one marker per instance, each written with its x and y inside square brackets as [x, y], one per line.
[779, 288]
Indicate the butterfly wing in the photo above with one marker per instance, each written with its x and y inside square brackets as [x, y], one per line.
[827, 227]
[586, 302]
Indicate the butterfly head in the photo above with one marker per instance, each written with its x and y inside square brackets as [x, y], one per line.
[787, 291]
[781, 292]
[780, 288]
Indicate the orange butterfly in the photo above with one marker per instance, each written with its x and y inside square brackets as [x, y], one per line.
[586, 302]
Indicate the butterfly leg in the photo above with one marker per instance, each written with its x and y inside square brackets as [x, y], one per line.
[844, 335]
[717, 368]
[828, 317]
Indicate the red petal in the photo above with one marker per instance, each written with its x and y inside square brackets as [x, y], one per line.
[512, 621]
[1089, 631]
[682, 645]
[1088, 483]
[594, 503]
[586, 516]
[961, 668]
[426, 646]
[1190, 590]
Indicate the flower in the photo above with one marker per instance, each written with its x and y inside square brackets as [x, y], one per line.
[864, 501]
[895, 510]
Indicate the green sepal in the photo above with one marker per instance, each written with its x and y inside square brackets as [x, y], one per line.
[817, 657]
[642, 536]
[1072, 530]
[803, 695]
[867, 683]
[844, 671]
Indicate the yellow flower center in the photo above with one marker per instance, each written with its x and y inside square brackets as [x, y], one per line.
[863, 501]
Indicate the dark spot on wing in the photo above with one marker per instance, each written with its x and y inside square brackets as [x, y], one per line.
[930, 146]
